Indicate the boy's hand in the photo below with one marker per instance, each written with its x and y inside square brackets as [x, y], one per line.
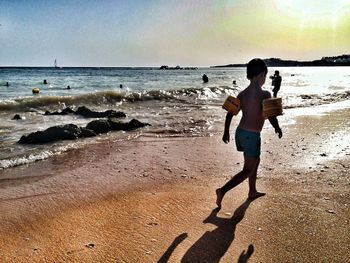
[279, 131]
[226, 137]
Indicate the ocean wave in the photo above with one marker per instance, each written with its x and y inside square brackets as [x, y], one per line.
[307, 100]
[209, 95]
[112, 97]
[7, 163]
[36, 155]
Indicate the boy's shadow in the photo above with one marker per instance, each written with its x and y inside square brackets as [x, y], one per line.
[212, 246]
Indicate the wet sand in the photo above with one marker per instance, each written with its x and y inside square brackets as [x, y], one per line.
[152, 200]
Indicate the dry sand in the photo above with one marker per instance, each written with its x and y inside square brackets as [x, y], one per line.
[152, 200]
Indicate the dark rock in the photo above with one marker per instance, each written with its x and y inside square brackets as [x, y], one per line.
[117, 125]
[72, 132]
[132, 125]
[55, 113]
[86, 112]
[55, 133]
[17, 117]
[86, 133]
[112, 124]
[99, 126]
[68, 110]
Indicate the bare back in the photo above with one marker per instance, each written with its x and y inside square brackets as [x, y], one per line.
[251, 104]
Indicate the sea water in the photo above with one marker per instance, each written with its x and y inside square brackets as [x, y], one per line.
[174, 102]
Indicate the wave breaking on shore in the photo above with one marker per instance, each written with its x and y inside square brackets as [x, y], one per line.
[211, 95]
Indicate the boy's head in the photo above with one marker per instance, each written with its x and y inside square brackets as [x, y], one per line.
[255, 67]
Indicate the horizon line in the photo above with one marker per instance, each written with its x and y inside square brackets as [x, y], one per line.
[242, 64]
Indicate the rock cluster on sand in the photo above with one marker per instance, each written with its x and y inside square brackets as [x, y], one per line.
[87, 113]
[72, 131]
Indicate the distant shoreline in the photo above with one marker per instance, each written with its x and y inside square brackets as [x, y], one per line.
[343, 60]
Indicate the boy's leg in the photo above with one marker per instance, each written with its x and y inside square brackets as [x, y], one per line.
[249, 168]
[253, 193]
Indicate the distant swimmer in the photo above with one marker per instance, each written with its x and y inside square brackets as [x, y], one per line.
[45, 81]
[234, 83]
[7, 84]
[68, 87]
[205, 78]
[121, 86]
[17, 117]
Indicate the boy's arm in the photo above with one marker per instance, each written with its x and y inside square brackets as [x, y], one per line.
[274, 122]
[226, 136]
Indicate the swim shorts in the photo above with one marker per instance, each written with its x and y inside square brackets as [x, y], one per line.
[248, 142]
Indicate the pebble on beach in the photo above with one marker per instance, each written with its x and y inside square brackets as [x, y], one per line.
[90, 245]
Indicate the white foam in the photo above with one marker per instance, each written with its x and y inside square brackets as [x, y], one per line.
[318, 110]
[42, 155]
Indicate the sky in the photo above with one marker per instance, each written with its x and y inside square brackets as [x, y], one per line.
[170, 32]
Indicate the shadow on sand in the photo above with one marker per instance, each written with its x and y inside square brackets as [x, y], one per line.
[212, 246]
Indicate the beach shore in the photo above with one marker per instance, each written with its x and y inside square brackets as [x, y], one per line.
[152, 200]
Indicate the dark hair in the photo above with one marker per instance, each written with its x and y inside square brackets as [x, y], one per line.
[255, 67]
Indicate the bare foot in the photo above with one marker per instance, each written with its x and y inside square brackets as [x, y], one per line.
[219, 196]
[255, 195]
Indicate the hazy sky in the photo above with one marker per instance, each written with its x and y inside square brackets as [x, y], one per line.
[170, 32]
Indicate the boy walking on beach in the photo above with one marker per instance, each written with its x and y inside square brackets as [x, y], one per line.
[247, 134]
